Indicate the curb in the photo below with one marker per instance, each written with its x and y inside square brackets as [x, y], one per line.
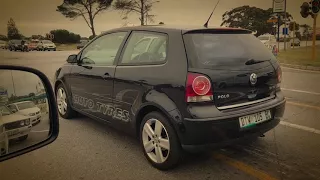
[294, 66]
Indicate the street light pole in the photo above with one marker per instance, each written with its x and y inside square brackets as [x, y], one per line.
[14, 88]
[314, 36]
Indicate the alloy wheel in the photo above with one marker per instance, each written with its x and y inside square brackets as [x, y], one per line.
[155, 141]
[62, 101]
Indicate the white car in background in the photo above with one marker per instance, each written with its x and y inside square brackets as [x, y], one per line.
[46, 45]
[268, 40]
[16, 126]
[27, 108]
[4, 141]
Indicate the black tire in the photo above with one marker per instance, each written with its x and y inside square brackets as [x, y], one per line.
[175, 153]
[23, 138]
[70, 113]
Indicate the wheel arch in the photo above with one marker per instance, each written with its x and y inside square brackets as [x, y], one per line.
[149, 107]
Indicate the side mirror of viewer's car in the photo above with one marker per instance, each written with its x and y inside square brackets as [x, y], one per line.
[28, 111]
[72, 58]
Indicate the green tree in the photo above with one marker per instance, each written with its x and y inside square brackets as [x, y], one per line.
[305, 32]
[251, 18]
[296, 27]
[91, 37]
[140, 7]
[64, 36]
[87, 9]
[3, 37]
[13, 32]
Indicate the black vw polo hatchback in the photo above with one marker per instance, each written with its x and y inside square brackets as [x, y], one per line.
[175, 88]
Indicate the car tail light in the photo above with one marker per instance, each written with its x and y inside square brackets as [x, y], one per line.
[198, 88]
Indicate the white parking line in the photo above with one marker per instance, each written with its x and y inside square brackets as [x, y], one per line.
[301, 91]
[304, 128]
[39, 131]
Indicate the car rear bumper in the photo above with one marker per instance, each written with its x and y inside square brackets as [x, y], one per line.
[202, 135]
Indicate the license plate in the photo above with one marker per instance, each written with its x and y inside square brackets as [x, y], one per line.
[14, 132]
[253, 119]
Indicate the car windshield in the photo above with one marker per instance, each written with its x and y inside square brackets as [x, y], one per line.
[263, 38]
[210, 50]
[4, 111]
[25, 105]
[47, 42]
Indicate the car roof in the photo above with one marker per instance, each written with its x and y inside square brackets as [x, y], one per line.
[183, 28]
[21, 102]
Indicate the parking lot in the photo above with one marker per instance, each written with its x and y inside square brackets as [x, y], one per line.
[86, 149]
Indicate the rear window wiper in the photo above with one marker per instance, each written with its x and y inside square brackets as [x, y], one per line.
[253, 61]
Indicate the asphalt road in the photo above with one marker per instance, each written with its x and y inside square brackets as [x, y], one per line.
[87, 149]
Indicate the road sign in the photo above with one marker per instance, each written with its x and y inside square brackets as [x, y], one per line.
[285, 31]
[272, 20]
[279, 6]
[50, 36]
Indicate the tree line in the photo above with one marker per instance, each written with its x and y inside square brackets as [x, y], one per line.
[255, 19]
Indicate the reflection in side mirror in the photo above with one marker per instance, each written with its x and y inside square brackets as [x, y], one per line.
[28, 116]
[72, 58]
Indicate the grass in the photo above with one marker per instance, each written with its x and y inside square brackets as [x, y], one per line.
[66, 47]
[300, 56]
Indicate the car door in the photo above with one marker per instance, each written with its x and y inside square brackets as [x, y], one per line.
[92, 78]
[133, 72]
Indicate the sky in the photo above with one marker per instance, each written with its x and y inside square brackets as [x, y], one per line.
[40, 16]
[21, 83]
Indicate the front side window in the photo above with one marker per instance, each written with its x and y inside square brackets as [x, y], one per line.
[13, 108]
[4, 111]
[145, 48]
[103, 50]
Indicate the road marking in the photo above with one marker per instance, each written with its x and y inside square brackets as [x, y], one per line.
[301, 91]
[244, 167]
[39, 131]
[303, 105]
[305, 128]
[303, 70]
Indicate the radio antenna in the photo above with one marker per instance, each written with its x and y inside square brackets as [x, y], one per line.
[206, 24]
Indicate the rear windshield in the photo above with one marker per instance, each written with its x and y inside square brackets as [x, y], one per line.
[223, 50]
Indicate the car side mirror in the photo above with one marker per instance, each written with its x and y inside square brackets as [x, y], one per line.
[72, 58]
[37, 125]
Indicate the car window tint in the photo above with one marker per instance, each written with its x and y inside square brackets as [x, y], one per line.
[145, 48]
[103, 50]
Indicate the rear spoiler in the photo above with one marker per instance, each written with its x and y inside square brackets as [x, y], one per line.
[217, 31]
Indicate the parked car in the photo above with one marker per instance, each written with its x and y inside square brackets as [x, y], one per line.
[46, 45]
[295, 42]
[2, 44]
[4, 141]
[268, 40]
[82, 44]
[180, 93]
[16, 45]
[32, 45]
[16, 126]
[26, 108]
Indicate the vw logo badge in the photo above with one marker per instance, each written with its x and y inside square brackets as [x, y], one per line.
[253, 79]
